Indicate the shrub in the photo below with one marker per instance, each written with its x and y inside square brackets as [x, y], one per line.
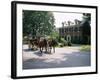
[85, 48]
[69, 43]
[60, 45]
[63, 41]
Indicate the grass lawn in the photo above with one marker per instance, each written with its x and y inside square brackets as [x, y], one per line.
[85, 48]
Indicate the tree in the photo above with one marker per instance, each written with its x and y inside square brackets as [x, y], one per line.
[37, 23]
[86, 28]
[54, 35]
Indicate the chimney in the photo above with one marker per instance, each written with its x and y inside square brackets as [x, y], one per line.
[76, 21]
[62, 24]
[69, 22]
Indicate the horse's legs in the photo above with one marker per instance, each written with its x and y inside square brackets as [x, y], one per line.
[54, 49]
[50, 49]
[40, 50]
[32, 46]
[29, 46]
[46, 48]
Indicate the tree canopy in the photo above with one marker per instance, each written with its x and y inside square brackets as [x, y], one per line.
[86, 28]
[37, 23]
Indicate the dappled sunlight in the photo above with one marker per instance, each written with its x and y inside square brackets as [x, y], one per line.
[55, 60]
[50, 57]
[63, 57]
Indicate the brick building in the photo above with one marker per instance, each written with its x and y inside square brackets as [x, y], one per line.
[73, 32]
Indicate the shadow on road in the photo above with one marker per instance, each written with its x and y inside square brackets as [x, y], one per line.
[74, 59]
[38, 53]
[27, 50]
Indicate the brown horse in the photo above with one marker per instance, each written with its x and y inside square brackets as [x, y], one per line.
[51, 44]
[40, 43]
[33, 44]
[30, 44]
[43, 43]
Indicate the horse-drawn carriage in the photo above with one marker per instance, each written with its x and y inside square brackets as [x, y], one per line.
[42, 44]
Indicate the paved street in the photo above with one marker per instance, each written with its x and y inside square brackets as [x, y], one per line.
[63, 57]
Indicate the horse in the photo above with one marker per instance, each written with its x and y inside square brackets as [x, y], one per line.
[30, 44]
[51, 44]
[42, 43]
[39, 43]
[33, 43]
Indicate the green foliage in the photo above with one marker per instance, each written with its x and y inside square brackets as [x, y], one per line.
[60, 45]
[86, 28]
[63, 41]
[54, 35]
[69, 43]
[87, 16]
[85, 48]
[37, 23]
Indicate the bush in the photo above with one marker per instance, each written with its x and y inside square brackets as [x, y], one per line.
[63, 41]
[69, 43]
[60, 45]
[85, 48]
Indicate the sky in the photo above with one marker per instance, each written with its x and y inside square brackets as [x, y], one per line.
[61, 17]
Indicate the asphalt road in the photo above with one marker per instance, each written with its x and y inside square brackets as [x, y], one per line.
[63, 57]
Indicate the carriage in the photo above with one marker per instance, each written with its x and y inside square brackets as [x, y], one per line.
[42, 43]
